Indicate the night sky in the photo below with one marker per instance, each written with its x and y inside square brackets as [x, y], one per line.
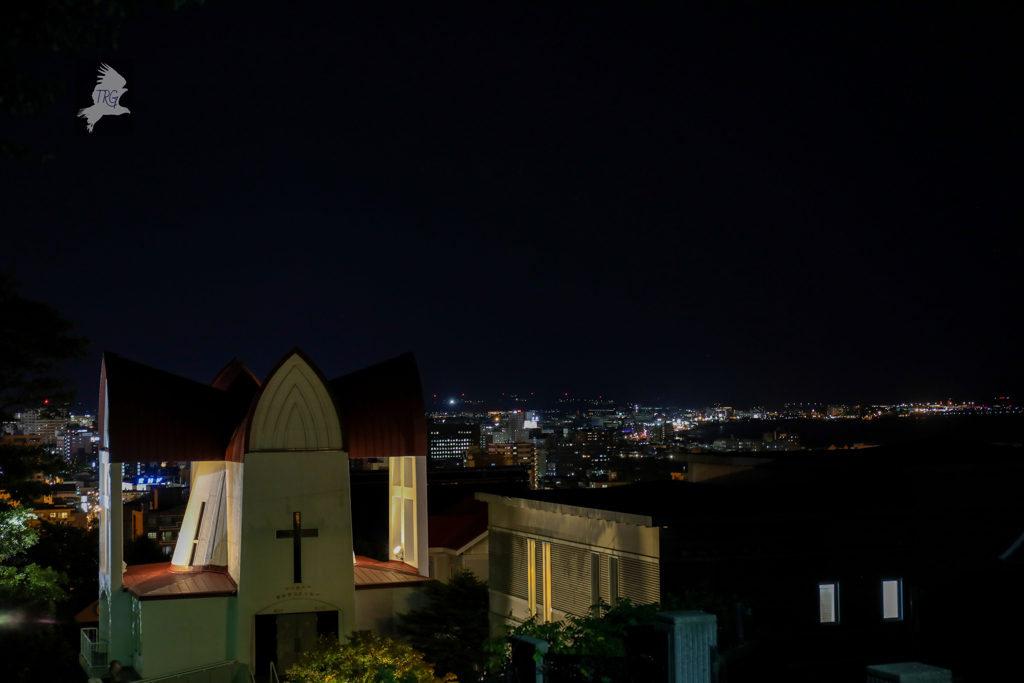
[647, 202]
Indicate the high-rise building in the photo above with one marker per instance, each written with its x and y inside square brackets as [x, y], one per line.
[509, 455]
[447, 443]
[32, 422]
[80, 445]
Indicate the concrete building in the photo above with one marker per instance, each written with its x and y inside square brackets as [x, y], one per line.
[523, 454]
[22, 440]
[837, 571]
[33, 422]
[448, 442]
[458, 541]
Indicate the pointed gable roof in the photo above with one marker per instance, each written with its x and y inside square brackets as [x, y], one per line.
[382, 412]
[153, 416]
[294, 409]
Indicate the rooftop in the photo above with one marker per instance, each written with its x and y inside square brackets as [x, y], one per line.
[899, 476]
[158, 582]
[371, 574]
[459, 527]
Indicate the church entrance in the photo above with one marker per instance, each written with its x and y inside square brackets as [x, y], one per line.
[282, 638]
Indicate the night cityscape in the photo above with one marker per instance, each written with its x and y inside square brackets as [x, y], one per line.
[612, 342]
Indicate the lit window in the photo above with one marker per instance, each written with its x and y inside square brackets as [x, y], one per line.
[531, 575]
[828, 602]
[613, 581]
[892, 599]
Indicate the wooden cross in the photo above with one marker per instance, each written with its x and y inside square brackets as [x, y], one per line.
[296, 533]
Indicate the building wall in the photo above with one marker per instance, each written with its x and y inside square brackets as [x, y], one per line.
[377, 609]
[443, 561]
[316, 484]
[181, 634]
[573, 540]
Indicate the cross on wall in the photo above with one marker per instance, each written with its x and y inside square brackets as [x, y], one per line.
[296, 533]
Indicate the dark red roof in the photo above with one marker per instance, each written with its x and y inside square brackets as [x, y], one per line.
[454, 530]
[371, 574]
[156, 416]
[382, 413]
[159, 582]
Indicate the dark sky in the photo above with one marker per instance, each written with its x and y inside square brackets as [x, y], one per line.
[687, 204]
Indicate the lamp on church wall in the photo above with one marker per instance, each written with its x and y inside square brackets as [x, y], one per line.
[398, 553]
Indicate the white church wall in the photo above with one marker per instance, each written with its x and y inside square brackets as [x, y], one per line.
[115, 605]
[600, 534]
[234, 500]
[315, 484]
[408, 512]
[183, 634]
[377, 609]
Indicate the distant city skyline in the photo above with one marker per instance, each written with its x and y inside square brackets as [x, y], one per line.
[715, 206]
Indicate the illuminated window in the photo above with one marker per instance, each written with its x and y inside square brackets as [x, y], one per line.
[613, 580]
[531, 575]
[892, 599]
[547, 582]
[828, 603]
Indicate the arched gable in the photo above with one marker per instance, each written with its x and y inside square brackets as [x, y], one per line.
[295, 410]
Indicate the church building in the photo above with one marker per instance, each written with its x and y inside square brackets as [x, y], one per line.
[263, 564]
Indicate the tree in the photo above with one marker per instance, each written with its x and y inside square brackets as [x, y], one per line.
[33, 586]
[34, 26]
[143, 550]
[31, 351]
[451, 629]
[72, 551]
[606, 631]
[16, 536]
[365, 658]
[18, 466]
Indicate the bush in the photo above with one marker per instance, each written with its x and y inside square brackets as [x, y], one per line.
[608, 631]
[365, 658]
[451, 629]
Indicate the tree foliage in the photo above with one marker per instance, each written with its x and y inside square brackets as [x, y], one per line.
[33, 586]
[365, 658]
[18, 466]
[450, 630]
[143, 550]
[16, 536]
[605, 631]
[74, 552]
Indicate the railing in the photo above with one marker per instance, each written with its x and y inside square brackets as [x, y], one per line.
[273, 673]
[94, 651]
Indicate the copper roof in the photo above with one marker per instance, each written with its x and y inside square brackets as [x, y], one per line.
[371, 574]
[382, 413]
[156, 416]
[158, 582]
[89, 615]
